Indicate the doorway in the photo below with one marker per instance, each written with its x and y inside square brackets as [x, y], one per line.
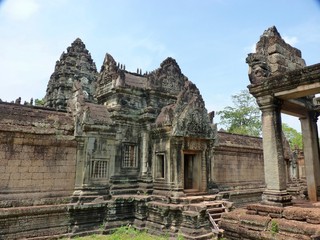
[191, 176]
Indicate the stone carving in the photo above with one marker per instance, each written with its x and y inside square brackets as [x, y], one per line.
[75, 65]
[18, 100]
[188, 116]
[166, 116]
[273, 56]
[111, 76]
[258, 67]
[76, 106]
[168, 77]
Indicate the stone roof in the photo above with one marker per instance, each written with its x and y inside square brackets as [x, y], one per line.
[97, 114]
[135, 80]
[29, 119]
[238, 140]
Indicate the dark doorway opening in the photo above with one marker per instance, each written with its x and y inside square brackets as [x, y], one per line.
[189, 173]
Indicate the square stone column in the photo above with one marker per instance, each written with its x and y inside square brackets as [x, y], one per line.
[274, 164]
[311, 153]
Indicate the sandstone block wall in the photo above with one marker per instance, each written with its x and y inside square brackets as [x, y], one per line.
[37, 155]
[237, 162]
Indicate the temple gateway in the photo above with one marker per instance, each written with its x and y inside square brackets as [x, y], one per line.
[114, 148]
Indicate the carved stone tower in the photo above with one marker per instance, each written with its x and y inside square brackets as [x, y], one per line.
[76, 64]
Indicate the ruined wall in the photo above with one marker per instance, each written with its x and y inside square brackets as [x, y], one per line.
[259, 221]
[37, 155]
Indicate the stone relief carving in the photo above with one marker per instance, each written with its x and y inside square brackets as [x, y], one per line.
[168, 77]
[258, 67]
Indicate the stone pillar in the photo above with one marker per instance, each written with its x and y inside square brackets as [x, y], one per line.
[145, 153]
[80, 165]
[311, 153]
[273, 154]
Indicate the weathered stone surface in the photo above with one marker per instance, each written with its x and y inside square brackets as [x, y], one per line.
[74, 65]
[268, 210]
[273, 57]
[37, 156]
[237, 167]
[240, 224]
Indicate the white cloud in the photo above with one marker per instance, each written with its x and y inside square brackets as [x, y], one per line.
[290, 40]
[20, 9]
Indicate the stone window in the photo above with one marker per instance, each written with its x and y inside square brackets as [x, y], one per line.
[129, 156]
[99, 169]
[160, 166]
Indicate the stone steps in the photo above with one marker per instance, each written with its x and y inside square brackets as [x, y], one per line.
[214, 211]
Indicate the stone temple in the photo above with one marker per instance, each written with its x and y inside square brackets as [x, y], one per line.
[114, 147]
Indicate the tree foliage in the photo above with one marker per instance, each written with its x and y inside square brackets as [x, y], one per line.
[245, 118]
[242, 118]
[293, 136]
[39, 102]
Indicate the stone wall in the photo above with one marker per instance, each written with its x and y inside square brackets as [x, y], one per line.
[37, 155]
[36, 222]
[237, 166]
[237, 161]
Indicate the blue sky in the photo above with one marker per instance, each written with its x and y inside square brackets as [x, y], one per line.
[210, 39]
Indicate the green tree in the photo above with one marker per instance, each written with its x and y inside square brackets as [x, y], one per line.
[244, 117]
[39, 102]
[293, 136]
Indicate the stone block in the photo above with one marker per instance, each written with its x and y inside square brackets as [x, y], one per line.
[48, 183]
[47, 175]
[37, 162]
[276, 48]
[277, 69]
[2, 156]
[296, 213]
[26, 183]
[14, 163]
[265, 208]
[26, 175]
[23, 169]
[43, 169]
[33, 169]
[292, 66]
[277, 58]
[15, 176]
[301, 62]
[246, 233]
[25, 162]
[297, 227]
[4, 176]
[37, 176]
[314, 216]
[254, 222]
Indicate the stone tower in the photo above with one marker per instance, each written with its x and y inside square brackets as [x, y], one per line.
[76, 64]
